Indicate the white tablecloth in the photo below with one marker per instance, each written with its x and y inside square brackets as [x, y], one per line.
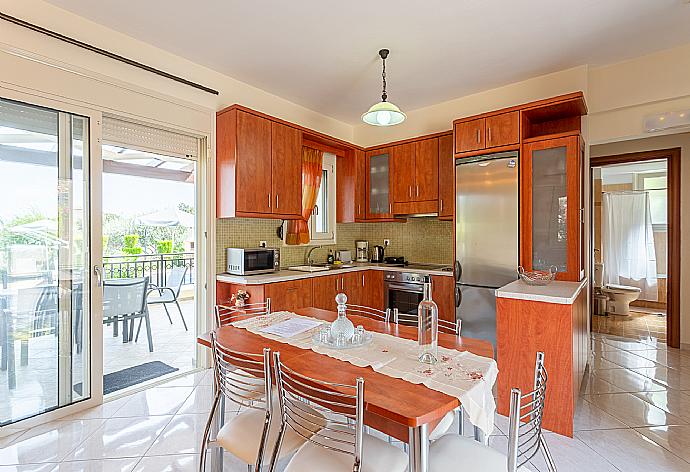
[466, 376]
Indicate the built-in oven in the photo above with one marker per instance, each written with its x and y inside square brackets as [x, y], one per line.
[252, 261]
[403, 290]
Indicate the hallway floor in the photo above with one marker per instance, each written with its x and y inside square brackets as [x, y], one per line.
[642, 322]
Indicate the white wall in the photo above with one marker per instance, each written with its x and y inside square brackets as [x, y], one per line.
[149, 96]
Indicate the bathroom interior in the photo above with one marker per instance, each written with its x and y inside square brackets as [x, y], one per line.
[630, 249]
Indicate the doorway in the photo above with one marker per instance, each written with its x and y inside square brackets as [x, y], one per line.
[636, 245]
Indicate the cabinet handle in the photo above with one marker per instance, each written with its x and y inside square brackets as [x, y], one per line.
[276, 200]
[359, 209]
[488, 134]
[362, 280]
[269, 200]
[409, 190]
[441, 202]
[342, 283]
[479, 136]
[336, 284]
[390, 208]
[417, 190]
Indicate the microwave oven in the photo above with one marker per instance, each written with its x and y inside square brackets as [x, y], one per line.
[260, 260]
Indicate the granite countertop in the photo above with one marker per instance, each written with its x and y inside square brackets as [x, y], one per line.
[284, 275]
[562, 293]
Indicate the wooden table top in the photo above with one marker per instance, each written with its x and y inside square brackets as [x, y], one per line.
[392, 399]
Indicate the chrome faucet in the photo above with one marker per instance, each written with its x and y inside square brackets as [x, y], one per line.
[307, 258]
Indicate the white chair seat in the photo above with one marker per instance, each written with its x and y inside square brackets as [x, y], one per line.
[377, 456]
[443, 426]
[454, 452]
[242, 435]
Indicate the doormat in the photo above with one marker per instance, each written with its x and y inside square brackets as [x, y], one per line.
[124, 378]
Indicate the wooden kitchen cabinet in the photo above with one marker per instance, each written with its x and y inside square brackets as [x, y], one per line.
[470, 135]
[372, 289]
[443, 293]
[379, 205]
[289, 295]
[446, 177]
[286, 169]
[360, 185]
[503, 129]
[324, 289]
[552, 207]
[414, 177]
[402, 171]
[492, 131]
[258, 167]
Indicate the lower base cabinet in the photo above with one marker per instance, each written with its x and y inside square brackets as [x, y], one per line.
[289, 295]
[443, 293]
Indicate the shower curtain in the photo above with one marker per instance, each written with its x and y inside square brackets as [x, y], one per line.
[627, 242]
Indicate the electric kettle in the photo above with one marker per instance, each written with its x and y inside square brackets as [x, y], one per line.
[377, 254]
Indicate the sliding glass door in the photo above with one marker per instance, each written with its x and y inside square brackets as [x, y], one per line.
[45, 256]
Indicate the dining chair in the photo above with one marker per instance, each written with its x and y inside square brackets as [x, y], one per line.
[335, 439]
[169, 293]
[525, 437]
[125, 300]
[386, 315]
[448, 327]
[226, 315]
[238, 376]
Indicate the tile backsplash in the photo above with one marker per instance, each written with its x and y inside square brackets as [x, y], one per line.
[419, 239]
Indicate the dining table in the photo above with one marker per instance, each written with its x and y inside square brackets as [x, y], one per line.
[398, 408]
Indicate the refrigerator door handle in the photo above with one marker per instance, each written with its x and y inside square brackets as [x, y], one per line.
[458, 296]
[458, 271]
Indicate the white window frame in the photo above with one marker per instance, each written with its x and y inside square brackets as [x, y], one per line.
[320, 239]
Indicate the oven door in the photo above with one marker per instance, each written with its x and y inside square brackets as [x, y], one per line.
[259, 261]
[404, 297]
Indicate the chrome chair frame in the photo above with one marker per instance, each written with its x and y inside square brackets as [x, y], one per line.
[368, 312]
[525, 436]
[225, 315]
[236, 376]
[295, 389]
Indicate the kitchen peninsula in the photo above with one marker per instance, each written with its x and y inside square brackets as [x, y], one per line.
[551, 319]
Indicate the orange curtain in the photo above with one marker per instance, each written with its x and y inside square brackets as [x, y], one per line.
[312, 168]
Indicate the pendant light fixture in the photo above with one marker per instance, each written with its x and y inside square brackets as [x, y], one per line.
[383, 113]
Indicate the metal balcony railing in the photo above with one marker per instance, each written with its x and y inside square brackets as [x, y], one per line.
[155, 266]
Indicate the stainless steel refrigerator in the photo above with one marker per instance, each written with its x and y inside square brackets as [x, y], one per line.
[486, 238]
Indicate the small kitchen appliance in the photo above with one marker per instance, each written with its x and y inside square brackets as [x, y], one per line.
[362, 251]
[260, 260]
[377, 254]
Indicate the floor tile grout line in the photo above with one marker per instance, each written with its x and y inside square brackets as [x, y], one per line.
[596, 453]
[660, 445]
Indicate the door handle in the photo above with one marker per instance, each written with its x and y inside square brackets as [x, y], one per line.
[441, 202]
[342, 283]
[276, 200]
[269, 200]
[458, 296]
[458, 271]
[362, 280]
[98, 272]
[488, 135]
[417, 190]
[336, 284]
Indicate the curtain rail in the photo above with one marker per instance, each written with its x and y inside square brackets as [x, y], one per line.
[103, 52]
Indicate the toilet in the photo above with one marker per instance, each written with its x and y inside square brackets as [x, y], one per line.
[619, 296]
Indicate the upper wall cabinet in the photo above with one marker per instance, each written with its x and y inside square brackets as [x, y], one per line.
[379, 205]
[258, 167]
[446, 177]
[414, 177]
[489, 132]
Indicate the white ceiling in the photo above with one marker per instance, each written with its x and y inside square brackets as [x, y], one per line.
[323, 54]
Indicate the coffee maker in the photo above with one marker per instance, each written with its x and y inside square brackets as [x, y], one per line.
[362, 251]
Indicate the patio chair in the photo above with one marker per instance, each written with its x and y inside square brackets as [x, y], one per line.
[125, 300]
[169, 293]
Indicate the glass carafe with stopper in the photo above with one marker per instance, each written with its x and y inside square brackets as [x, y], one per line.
[342, 329]
[427, 327]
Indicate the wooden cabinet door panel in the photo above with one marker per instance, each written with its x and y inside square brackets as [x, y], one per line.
[373, 289]
[426, 170]
[253, 163]
[446, 177]
[402, 173]
[286, 165]
[469, 135]
[289, 295]
[503, 129]
[443, 293]
[351, 285]
[324, 289]
[360, 185]
[379, 205]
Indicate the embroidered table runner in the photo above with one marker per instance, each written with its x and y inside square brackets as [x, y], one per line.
[464, 375]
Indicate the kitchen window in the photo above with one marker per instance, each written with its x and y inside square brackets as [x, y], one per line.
[322, 220]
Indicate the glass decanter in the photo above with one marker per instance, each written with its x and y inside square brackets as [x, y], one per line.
[427, 327]
[342, 328]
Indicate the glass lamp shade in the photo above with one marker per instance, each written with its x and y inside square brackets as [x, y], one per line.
[383, 114]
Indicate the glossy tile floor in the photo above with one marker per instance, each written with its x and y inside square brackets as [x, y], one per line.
[642, 322]
[36, 387]
[633, 415]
